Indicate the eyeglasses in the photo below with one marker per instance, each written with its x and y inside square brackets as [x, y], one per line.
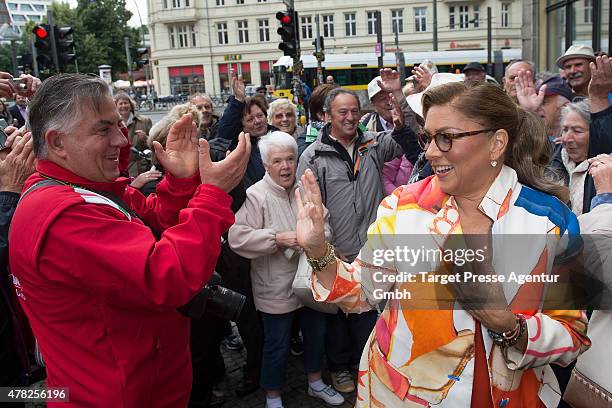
[444, 140]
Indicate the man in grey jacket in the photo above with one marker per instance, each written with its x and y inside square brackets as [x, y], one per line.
[347, 163]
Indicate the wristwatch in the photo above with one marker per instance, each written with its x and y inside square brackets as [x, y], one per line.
[318, 264]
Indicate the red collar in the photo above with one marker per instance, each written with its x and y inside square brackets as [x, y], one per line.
[48, 169]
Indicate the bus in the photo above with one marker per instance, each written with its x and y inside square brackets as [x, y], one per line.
[354, 71]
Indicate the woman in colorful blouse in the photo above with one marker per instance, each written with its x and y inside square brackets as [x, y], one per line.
[488, 158]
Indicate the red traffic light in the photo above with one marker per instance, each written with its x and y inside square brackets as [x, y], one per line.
[40, 32]
[284, 17]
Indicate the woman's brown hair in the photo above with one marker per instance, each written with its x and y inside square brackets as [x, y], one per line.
[528, 151]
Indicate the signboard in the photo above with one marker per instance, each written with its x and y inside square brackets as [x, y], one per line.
[378, 50]
[232, 57]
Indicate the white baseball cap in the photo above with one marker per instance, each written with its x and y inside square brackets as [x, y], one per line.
[373, 87]
[416, 100]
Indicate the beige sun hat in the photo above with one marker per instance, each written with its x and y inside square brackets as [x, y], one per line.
[416, 100]
[576, 51]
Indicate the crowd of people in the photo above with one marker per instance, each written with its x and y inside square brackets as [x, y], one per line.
[112, 227]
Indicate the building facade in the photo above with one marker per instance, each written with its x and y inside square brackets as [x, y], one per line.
[551, 26]
[195, 42]
[23, 11]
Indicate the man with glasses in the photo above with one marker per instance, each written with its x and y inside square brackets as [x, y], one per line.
[347, 163]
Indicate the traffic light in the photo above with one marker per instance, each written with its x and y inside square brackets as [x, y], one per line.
[25, 62]
[43, 45]
[319, 51]
[142, 57]
[64, 45]
[288, 32]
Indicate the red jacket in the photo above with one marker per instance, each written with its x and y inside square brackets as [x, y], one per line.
[101, 292]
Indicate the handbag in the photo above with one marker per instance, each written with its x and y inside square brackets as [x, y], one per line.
[301, 288]
[581, 392]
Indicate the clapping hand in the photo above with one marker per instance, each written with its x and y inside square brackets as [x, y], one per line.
[16, 162]
[227, 173]
[600, 168]
[601, 83]
[180, 157]
[237, 85]
[526, 94]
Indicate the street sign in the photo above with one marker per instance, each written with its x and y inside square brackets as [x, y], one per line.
[378, 49]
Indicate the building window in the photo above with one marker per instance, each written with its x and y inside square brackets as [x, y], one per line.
[397, 20]
[243, 31]
[193, 36]
[420, 19]
[186, 3]
[306, 27]
[221, 3]
[239, 1]
[222, 33]
[476, 14]
[26, 7]
[172, 39]
[451, 17]
[464, 16]
[187, 80]
[505, 15]
[371, 22]
[39, 7]
[182, 36]
[588, 11]
[176, 3]
[12, 6]
[262, 1]
[328, 25]
[350, 24]
[165, 4]
[264, 30]
[242, 68]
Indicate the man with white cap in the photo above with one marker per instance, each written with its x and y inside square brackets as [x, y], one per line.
[575, 63]
[381, 119]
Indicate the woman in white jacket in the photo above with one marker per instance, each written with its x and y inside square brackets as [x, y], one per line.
[264, 232]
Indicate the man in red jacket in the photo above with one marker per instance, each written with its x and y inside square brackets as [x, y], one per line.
[99, 288]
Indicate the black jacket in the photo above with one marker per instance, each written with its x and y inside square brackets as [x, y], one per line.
[13, 352]
[16, 114]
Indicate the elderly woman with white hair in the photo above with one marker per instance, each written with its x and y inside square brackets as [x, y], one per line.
[570, 163]
[282, 114]
[264, 232]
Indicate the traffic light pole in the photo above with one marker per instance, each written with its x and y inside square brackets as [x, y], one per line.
[319, 52]
[53, 45]
[129, 62]
[34, 61]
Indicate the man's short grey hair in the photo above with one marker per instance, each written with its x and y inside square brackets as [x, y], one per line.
[201, 95]
[277, 139]
[532, 67]
[582, 108]
[334, 93]
[278, 104]
[60, 103]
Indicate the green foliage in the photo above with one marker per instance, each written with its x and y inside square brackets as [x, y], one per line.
[99, 30]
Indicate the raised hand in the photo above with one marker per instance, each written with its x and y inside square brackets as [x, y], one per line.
[237, 85]
[144, 178]
[422, 78]
[310, 229]
[601, 83]
[7, 88]
[399, 120]
[180, 157]
[526, 93]
[227, 173]
[390, 81]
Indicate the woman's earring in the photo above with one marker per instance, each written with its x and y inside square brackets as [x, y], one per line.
[493, 163]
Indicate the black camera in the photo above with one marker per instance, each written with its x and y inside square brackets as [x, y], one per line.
[214, 300]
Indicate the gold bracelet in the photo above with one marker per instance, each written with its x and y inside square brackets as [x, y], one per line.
[318, 264]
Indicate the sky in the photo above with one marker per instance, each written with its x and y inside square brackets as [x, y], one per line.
[133, 6]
